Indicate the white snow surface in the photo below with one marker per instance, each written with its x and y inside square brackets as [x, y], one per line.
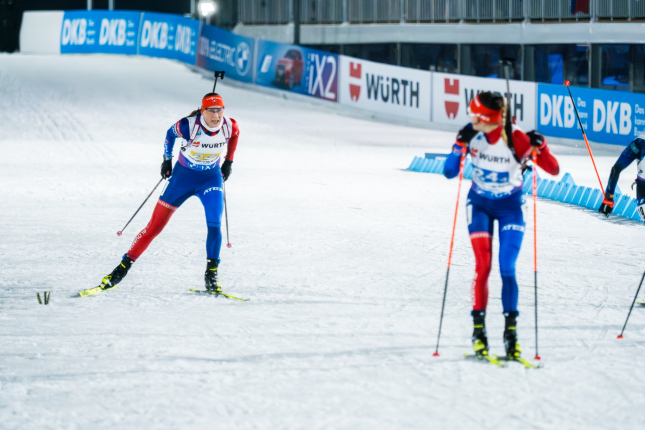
[342, 252]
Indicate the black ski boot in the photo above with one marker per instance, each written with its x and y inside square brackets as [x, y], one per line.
[211, 279]
[117, 274]
[480, 340]
[513, 349]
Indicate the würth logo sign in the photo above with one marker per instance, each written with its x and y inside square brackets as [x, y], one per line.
[451, 98]
[451, 87]
[355, 72]
[386, 89]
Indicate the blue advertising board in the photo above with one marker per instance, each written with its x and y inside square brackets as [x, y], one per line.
[294, 68]
[169, 36]
[113, 32]
[612, 117]
[222, 50]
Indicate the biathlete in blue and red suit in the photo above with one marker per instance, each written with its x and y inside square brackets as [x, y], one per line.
[634, 151]
[207, 133]
[496, 194]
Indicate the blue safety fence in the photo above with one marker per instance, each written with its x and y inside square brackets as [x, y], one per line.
[565, 190]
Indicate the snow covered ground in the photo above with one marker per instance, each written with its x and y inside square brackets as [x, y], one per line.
[342, 252]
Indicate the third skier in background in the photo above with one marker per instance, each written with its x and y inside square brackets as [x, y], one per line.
[496, 194]
[634, 151]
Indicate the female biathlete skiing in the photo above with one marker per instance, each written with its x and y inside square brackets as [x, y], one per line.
[207, 133]
[496, 194]
[634, 151]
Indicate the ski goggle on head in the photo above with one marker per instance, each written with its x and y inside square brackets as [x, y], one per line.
[213, 104]
[484, 114]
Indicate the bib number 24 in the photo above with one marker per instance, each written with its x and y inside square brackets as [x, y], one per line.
[490, 177]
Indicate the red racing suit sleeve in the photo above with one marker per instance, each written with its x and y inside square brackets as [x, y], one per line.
[232, 141]
[545, 159]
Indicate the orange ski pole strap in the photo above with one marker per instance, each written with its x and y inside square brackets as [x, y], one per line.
[584, 135]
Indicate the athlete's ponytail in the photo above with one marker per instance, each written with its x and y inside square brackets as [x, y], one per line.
[198, 110]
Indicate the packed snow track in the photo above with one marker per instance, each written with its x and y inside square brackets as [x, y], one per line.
[342, 252]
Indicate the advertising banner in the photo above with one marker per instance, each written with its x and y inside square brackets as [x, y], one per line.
[383, 88]
[169, 36]
[297, 69]
[85, 32]
[222, 50]
[613, 117]
[451, 95]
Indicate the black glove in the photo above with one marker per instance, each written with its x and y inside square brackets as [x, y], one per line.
[537, 140]
[526, 168]
[226, 169]
[606, 207]
[166, 168]
[466, 134]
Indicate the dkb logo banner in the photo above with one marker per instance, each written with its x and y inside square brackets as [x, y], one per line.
[607, 116]
[169, 36]
[222, 50]
[100, 32]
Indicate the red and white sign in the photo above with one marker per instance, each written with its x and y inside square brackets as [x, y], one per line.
[377, 87]
[452, 94]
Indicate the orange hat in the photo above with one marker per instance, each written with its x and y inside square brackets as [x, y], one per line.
[485, 115]
[210, 101]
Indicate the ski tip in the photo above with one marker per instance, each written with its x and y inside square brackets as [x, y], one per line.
[436, 354]
[620, 336]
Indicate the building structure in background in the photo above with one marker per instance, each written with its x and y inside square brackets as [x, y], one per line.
[593, 43]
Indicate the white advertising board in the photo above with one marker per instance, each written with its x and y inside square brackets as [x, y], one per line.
[383, 88]
[40, 32]
[452, 94]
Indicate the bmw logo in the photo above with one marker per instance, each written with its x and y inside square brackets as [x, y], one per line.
[243, 58]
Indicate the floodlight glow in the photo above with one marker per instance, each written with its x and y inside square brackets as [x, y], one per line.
[207, 8]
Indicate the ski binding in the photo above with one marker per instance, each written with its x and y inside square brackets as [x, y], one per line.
[228, 296]
[485, 358]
